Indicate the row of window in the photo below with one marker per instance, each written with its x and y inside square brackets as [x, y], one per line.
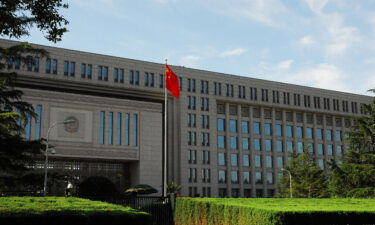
[290, 131]
[193, 192]
[246, 177]
[70, 165]
[127, 120]
[27, 123]
[191, 102]
[205, 175]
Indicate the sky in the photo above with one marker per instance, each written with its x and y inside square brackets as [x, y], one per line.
[327, 44]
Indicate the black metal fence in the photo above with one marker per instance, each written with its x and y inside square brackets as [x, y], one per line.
[159, 207]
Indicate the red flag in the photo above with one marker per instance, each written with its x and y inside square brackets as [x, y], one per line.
[171, 82]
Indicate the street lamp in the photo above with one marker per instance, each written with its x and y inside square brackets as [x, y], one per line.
[290, 181]
[46, 152]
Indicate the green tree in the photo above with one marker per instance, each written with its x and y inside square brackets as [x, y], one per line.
[355, 176]
[308, 180]
[17, 17]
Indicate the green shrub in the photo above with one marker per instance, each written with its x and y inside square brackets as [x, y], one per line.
[210, 211]
[62, 211]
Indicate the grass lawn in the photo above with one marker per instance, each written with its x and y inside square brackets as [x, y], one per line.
[274, 211]
[60, 210]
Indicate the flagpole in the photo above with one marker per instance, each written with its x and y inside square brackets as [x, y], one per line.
[165, 133]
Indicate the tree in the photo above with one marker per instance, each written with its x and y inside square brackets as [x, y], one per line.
[355, 176]
[16, 19]
[308, 180]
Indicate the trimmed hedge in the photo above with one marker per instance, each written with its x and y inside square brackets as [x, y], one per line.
[223, 211]
[63, 211]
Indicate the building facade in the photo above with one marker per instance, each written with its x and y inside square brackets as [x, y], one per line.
[227, 135]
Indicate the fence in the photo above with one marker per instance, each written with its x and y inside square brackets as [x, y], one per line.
[159, 207]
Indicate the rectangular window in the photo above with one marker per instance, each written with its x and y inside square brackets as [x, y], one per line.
[289, 131]
[136, 78]
[256, 128]
[269, 163]
[280, 162]
[38, 121]
[221, 124]
[279, 130]
[127, 129]
[338, 135]
[222, 177]
[234, 179]
[267, 129]
[115, 75]
[135, 129]
[270, 179]
[105, 73]
[320, 149]
[221, 161]
[89, 71]
[30, 63]
[119, 127]
[299, 132]
[54, 66]
[131, 77]
[279, 146]
[257, 161]
[121, 75]
[245, 127]
[83, 70]
[72, 68]
[329, 135]
[233, 142]
[257, 144]
[246, 178]
[233, 126]
[102, 126]
[161, 81]
[258, 179]
[245, 143]
[66, 68]
[300, 146]
[28, 127]
[100, 73]
[146, 79]
[319, 134]
[110, 128]
[309, 133]
[289, 146]
[48, 65]
[329, 150]
[268, 145]
[221, 141]
[245, 160]
[233, 159]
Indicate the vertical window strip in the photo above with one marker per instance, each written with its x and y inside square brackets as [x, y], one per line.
[28, 127]
[135, 129]
[38, 121]
[119, 123]
[110, 128]
[127, 128]
[102, 125]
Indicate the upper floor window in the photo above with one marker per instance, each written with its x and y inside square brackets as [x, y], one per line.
[48, 65]
[100, 72]
[253, 94]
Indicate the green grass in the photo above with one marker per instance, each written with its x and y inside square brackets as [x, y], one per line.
[274, 211]
[76, 209]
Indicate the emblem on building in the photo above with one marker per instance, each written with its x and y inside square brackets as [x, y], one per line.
[71, 127]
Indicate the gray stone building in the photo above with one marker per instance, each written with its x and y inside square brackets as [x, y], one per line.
[227, 135]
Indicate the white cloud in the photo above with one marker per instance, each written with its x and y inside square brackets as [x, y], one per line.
[233, 52]
[307, 40]
[284, 65]
[316, 6]
[189, 60]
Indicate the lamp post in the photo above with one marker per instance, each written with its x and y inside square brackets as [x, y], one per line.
[290, 181]
[46, 152]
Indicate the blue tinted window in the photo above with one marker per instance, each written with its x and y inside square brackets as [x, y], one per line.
[119, 125]
[299, 132]
[161, 82]
[221, 124]
[279, 146]
[136, 78]
[233, 142]
[221, 141]
[300, 147]
[329, 135]
[319, 133]
[122, 75]
[102, 126]
[127, 129]
[48, 66]
[338, 135]
[320, 149]
[245, 160]
[89, 71]
[105, 73]
[54, 66]
[131, 77]
[221, 159]
[83, 70]
[233, 160]
[257, 161]
[329, 150]
[289, 146]
[245, 143]
[309, 133]
[257, 144]
[233, 125]
[72, 68]
[100, 73]
[146, 79]
[279, 130]
[110, 128]
[267, 129]
[115, 75]
[135, 130]
[256, 128]
[280, 162]
[338, 149]
[310, 147]
[289, 131]
[38, 121]
[245, 127]
[66, 68]
[269, 163]
[268, 145]
[28, 127]
[36, 64]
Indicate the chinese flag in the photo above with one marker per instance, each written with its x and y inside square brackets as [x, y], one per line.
[171, 82]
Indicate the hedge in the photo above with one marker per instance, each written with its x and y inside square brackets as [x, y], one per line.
[213, 211]
[62, 211]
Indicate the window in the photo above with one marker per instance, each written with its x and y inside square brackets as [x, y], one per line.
[221, 124]
[309, 133]
[257, 144]
[121, 75]
[253, 94]
[48, 65]
[119, 128]
[115, 75]
[233, 126]
[245, 127]
[102, 126]
[245, 160]
[279, 130]
[135, 129]
[72, 69]
[257, 161]
[221, 159]
[275, 97]
[245, 143]
[241, 91]
[204, 104]
[268, 145]
[230, 92]
[246, 177]
[180, 83]
[192, 156]
[310, 147]
[205, 139]
[320, 149]
[205, 121]
[205, 157]
[297, 100]
[204, 87]
[192, 175]
[38, 121]
[258, 178]
[206, 175]
[338, 135]
[329, 135]
[66, 68]
[54, 66]
[269, 178]
[191, 120]
[289, 131]
[233, 142]
[100, 73]
[264, 95]
[161, 81]
[192, 138]
[233, 159]
[127, 129]
[222, 177]
[289, 146]
[280, 162]
[300, 146]
[267, 129]
[269, 163]
[338, 150]
[221, 141]
[89, 71]
[299, 132]
[329, 149]
[256, 128]
[83, 70]
[105, 73]
[234, 178]
[319, 134]
[110, 128]
[279, 146]
[28, 127]
[191, 102]
[217, 88]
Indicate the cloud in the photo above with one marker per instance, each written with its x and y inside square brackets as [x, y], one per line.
[307, 40]
[233, 52]
[164, 1]
[189, 60]
[316, 6]
[284, 65]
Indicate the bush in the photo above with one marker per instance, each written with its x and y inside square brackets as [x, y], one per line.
[62, 211]
[96, 186]
[210, 211]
